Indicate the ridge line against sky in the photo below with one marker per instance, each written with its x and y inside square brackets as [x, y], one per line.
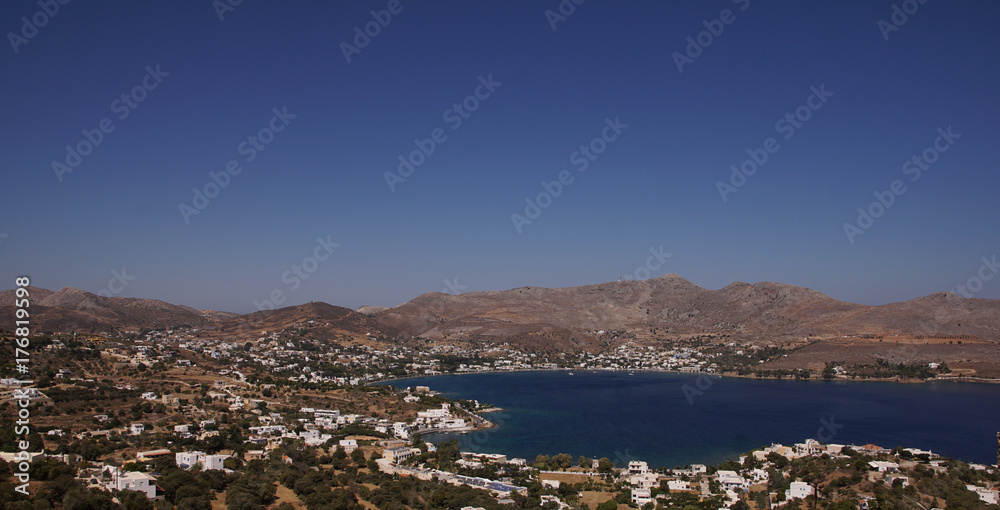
[455, 292]
[368, 152]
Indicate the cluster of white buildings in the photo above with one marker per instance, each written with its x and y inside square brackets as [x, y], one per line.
[643, 480]
[631, 356]
[398, 429]
[281, 352]
[987, 495]
[389, 464]
[439, 419]
[272, 435]
[114, 479]
[734, 483]
[188, 460]
[320, 420]
[813, 448]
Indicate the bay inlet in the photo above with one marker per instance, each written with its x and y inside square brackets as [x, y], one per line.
[670, 419]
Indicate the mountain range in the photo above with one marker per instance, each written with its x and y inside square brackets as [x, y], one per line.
[564, 318]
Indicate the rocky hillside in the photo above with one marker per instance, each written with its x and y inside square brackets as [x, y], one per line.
[71, 309]
[673, 305]
[559, 318]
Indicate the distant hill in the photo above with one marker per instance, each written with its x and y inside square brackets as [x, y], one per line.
[673, 305]
[75, 310]
[70, 309]
[324, 321]
[317, 311]
[554, 318]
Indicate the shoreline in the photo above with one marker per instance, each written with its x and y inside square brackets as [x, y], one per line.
[492, 425]
[975, 380]
[456, 385]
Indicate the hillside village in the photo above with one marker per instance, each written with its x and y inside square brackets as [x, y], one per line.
[295, 354]
[117, 416]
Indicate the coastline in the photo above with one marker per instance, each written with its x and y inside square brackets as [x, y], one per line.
[539, 419]
[896, 379]
[485, 424]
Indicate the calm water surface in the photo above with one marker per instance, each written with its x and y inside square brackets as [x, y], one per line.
[649, 416]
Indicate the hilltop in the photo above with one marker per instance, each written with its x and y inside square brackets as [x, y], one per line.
[671, 305]
[74, 310]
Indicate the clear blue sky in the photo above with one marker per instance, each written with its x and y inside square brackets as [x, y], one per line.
[323, 175]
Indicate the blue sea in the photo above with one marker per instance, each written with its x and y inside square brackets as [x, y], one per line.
[673, 420]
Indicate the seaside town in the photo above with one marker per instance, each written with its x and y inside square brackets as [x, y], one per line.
[170, 420]
[293, 354]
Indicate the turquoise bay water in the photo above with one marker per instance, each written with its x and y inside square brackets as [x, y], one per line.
[649, 416]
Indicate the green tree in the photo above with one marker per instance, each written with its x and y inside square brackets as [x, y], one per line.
[610, 504]
[542, 461]
[779, 461]
[134, 500]
[604, 465]
[562, 460]
[233, 463]
[79, 498]
[358, 456]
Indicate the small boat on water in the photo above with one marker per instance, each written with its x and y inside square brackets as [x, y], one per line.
[571, 373]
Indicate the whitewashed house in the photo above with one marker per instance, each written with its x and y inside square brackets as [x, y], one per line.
[349, 445]
[637, 467]
[730, 480]
[799, 490]
[641, 496]
[134, 481]
[187, 460]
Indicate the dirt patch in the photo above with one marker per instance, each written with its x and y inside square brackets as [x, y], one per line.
[366, 504]
[219, 503]
[982, 356]
[593, 498]
[565, 477]
[285, 495]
